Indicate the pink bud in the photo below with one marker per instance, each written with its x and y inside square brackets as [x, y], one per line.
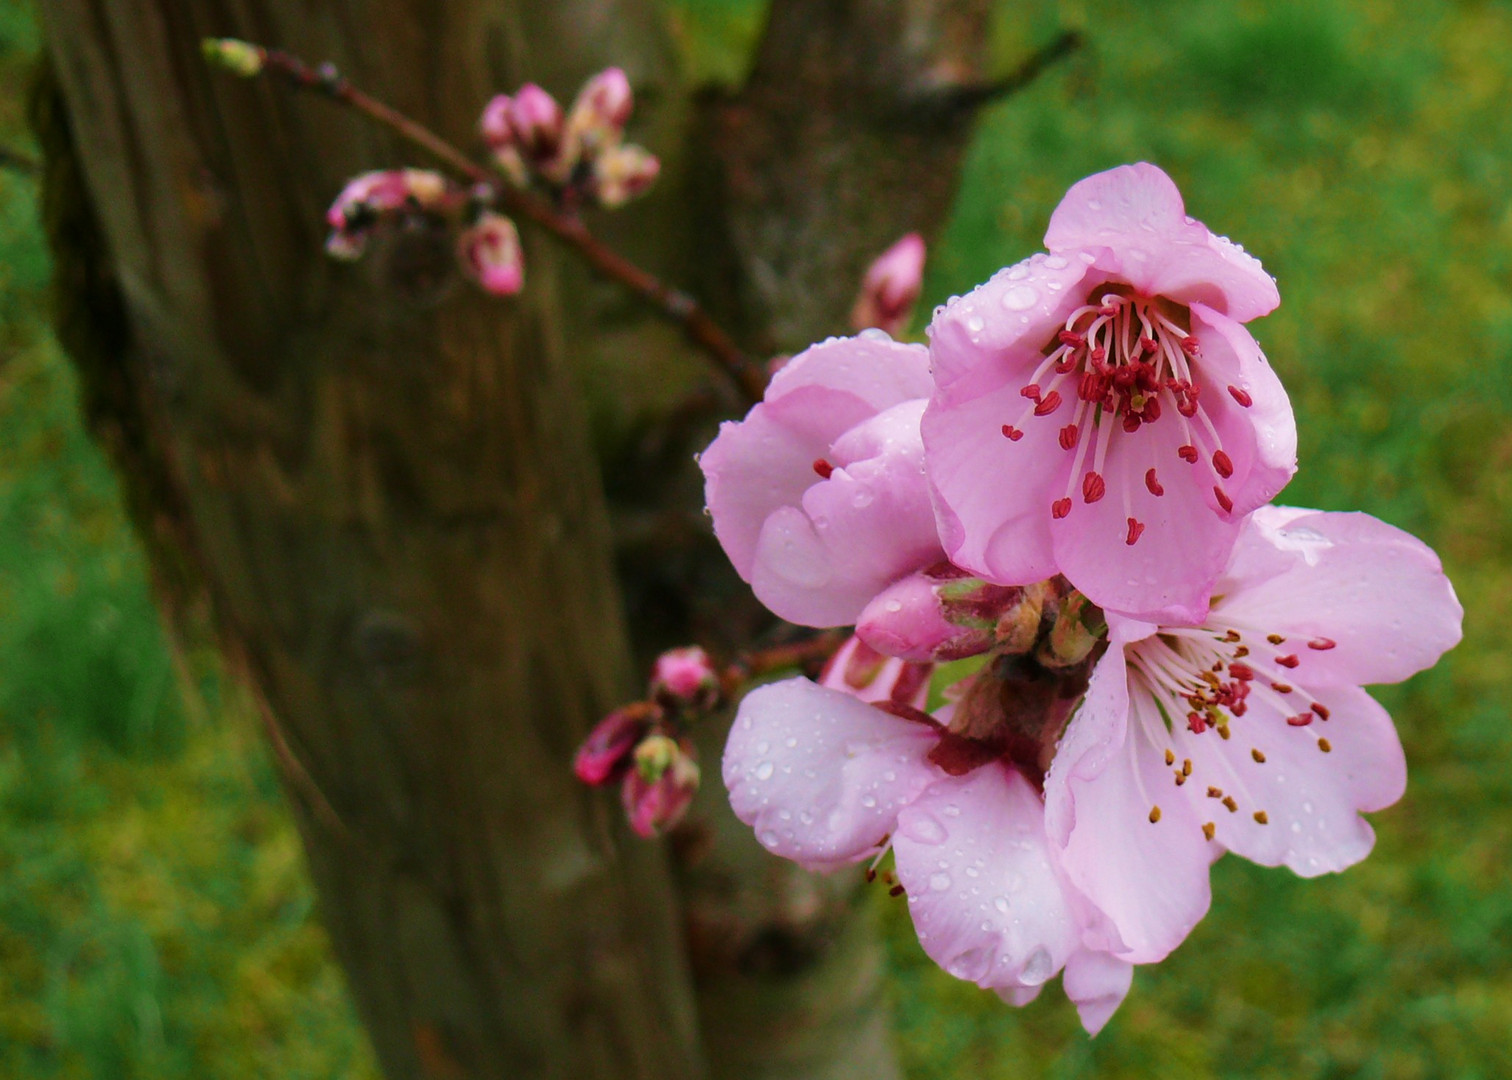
[536, 121]
[659, 789]
[620, 173]
[500, 137]
[605, 754]
[891, 287]
[861, 671]
[907, 620]
[490, 251]
[368, 198]
[601, 111]
[685, 679]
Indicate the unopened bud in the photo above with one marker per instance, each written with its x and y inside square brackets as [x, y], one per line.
[600, 112]
[621, 173]
[685, 679]
[891, 287]
[1079, 625]
[536, 121]
[908, 620]
[659, 790]
[491, 253]
[499, 135]
[238, 57]
[606, 754]
[862, 672]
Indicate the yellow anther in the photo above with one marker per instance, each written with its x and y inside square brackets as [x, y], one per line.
[1261, 817]
[1228, 801]
[1258, 756]
[1209, 829]
[1154, 814]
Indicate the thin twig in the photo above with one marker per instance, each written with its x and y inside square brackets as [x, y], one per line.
[972, 96]
[673, 304]
[800, 654]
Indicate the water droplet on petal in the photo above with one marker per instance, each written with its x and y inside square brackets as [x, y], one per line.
[764, 771]
[939, 882]
[1020, 298]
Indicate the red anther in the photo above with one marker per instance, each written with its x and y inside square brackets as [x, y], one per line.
[1187, 453]
[1186, 404]
[1189, 346]
[1241, 396]
[1048, 404]
[1153, 483]
[1032, 391]
[1071, 338]
[1131, 422]
[1223, 499]
[824, 468]
[1195, 723]
[871, 875]
[1322, 644]
[1242, 672]
[1097, 356]
[1222, 464]
[1093, 487]
[1300, 720]
[1060, 508]
[896, 890]
[1012, 433]
[1068, 435]
[1151, 410]
[1147, 344]
[1281, 687]
[1066, 364]
[1136, 527]
[1288, 661]
[1110, 308]
[1323, 714]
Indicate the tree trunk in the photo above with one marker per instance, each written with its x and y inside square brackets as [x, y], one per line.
[385, 483]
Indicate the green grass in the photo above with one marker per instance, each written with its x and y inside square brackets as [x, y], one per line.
[155, 917]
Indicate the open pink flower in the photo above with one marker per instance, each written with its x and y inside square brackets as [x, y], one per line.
[826, 779]
[819, 495]
[1102, 412]
[1248, 733]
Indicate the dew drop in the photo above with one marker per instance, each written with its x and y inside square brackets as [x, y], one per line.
[1001, 903]
[1020, 298]
[975, 324]
[1037, 968]
[764, 771]
[939, 882]
[1056, 262]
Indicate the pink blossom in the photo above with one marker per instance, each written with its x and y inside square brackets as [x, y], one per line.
[1102, 412]
[660, 787]
[819, 495]
[490, 251]
[604, 756]
[891, 287]
[601, 111]
[827, 780]
[369, 198]
[622, 173]
[497, 132]
[1248, 733]
[538, 126]
[867, 675]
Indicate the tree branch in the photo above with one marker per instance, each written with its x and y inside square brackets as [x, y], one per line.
[965, 98]
[748, 377]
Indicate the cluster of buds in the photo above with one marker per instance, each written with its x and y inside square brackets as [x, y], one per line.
[488, 244]
[643, 746]
[581, 155]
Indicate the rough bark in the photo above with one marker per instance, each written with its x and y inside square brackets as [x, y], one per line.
[385, 483]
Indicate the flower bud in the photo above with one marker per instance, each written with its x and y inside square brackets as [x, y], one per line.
[238, 57]
[535, 120]
[685, 679]
[497, 132]
[606, 754]
[491, 253]
[621, 173]
[891, 287]
[862, 672]
[659, 790]
[600, 112]
[1079, 625]
[370, 197]
[908, 620]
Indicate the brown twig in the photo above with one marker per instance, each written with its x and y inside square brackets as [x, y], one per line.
[796, 654]
[972, 96]
[672, 304]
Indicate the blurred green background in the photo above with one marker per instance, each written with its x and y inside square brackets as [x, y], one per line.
[155, 917]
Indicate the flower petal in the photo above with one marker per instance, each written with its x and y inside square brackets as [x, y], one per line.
[820, 775]
[866, 525]
[1149, 877]
[1311, 800]
[1096, 983]
[1378, 594]
[1133, 217]
[992, 493]
[1020, 308]
[985, 899]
